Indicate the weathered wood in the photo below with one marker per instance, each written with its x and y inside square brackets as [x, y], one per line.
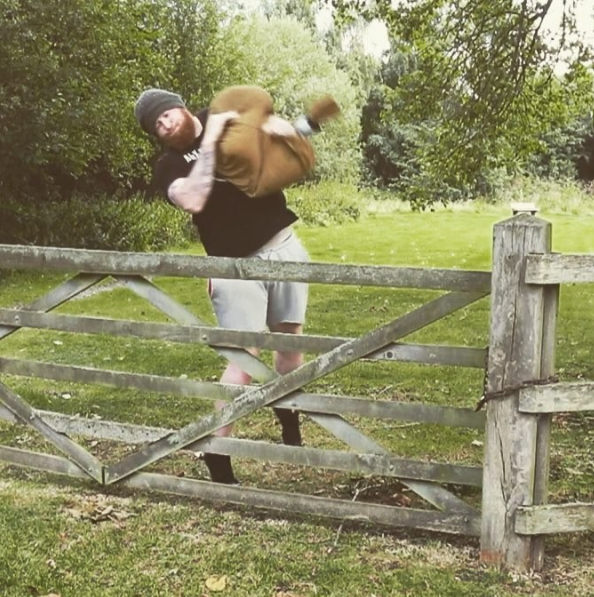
[338, 356]
[87, 462]
[128, 433]
[455, 356]
[118, 379]
[559, 269]
[311, 505]
[514, 356]
[385, 465]
[410, 323]
[190, 334]
[323, 403]
[542, 460]
[461, 356]
[254, 398]
[435, 494]
[221, 339]
[558, 518]
[385, 410]
[191, 266]
[558, 398]
[56, 297]
[42, 462]
[390, 516]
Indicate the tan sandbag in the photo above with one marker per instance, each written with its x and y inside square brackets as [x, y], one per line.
[256, 162]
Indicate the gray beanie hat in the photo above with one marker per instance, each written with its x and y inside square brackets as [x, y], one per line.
[152, 103]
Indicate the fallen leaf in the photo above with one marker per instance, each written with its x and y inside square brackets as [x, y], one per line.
[402, 500]
[75, 512]
[216, 583]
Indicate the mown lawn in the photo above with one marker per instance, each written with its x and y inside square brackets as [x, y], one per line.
[63, 537]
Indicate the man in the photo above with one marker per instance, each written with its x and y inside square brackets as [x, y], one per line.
[230, 224]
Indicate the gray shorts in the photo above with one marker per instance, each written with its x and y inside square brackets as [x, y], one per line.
[253, 305]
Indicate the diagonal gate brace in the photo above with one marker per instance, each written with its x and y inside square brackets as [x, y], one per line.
[57, 296]
[23, 411]
[255, 398]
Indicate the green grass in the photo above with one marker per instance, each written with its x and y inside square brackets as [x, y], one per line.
[58, 539]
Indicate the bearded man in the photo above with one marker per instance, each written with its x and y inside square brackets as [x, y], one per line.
[231, 224]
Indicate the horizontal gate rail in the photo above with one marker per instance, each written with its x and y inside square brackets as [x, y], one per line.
[555, 518]
[192, 266]
[430, 520]
[559, 269]
[371, 463]
[461, 356]
[325, 403]
[194, 334]
[42, 462]
[557, 398]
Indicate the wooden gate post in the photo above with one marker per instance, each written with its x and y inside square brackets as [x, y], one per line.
[516, 451]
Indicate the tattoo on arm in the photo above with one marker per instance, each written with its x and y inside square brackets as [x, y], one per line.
[194, 191]
[203, 170]
[201, 177]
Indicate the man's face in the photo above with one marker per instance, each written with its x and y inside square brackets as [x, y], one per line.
[176, 128]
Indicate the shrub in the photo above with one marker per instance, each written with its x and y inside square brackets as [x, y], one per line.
[326, 203]
[108, 223]
[551, 196]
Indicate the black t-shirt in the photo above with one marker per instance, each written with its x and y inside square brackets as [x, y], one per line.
[232, 224]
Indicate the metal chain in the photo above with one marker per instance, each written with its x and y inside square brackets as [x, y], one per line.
[504, 392]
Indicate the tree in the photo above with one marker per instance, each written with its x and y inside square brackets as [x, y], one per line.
[303, 11]
[484, 77]
[565, 149]
[68, 71]
[70, 74]
[286, 59]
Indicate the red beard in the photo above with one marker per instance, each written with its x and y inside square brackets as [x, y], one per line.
[184, 135]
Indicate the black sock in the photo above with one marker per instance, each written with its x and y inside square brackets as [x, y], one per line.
[289, 419]
[220, 468]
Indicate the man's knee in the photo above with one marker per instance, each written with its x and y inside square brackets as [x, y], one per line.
[285, 361]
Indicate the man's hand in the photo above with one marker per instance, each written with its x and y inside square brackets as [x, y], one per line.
[279, 127]
[216, 124]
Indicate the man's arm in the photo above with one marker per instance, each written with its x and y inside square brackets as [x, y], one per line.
[191, 193]
[279, 127]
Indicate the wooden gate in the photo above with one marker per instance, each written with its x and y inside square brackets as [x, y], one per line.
[448, 512]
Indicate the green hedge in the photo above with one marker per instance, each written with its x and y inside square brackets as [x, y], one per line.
[140, 224]
[325, 204]
[134, 224]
